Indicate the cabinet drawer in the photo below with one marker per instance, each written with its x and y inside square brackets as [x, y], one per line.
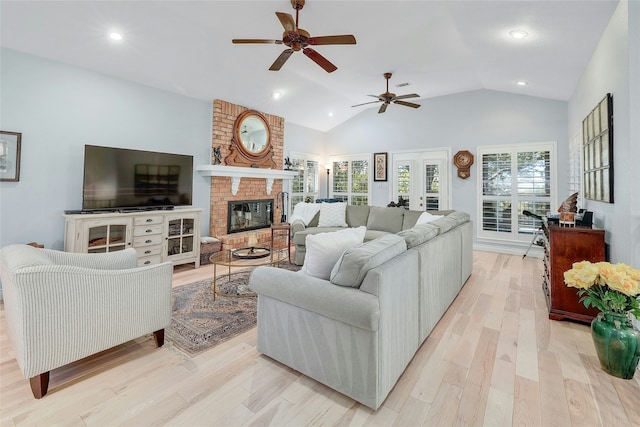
[146, 251]
[147, 220]
[149, 260]
[154, 239]
[143, 230]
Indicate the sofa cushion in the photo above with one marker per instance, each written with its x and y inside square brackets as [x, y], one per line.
[419, 234]
[357, 215]
[332, 215]
[356, 262]
[385, 219]
[374, 234]
[445, 223]
[459, 217]
[301, 236]
[410, 218]
[324, 249]
[426, 217]
[19, 256]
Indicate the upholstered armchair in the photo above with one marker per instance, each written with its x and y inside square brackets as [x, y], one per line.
[61, 307]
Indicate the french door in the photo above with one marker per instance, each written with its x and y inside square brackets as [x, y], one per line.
[421, 180]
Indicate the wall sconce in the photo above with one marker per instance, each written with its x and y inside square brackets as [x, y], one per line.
[328, 168]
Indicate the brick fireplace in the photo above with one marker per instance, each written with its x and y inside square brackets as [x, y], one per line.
[224, 116]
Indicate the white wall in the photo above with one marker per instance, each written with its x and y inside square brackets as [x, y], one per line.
[462, 122]
[301, 139]
[59, 109]
[614, 68]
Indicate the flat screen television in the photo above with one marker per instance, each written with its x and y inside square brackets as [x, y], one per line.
[119, 178]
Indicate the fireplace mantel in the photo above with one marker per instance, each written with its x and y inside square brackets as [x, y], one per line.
[236, 173]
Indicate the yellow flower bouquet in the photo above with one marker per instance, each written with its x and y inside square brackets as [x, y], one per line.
[608, 287]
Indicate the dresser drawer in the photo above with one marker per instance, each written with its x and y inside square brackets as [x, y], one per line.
[145, 230]
[154, 239]
[146, 251]
[147, 220]
[149, 260]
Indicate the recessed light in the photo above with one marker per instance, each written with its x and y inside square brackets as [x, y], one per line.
[518, 34]
[330, 113]
[276, 95]
[115, 36]
[521, 83]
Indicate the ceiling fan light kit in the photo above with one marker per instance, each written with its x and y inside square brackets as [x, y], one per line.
[388, 97]
[296, 39]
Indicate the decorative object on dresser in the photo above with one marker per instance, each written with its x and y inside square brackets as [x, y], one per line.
[157, 236]
[10, 143]
[251, 142]
[613, 289]
[61, 307]
[562, 247]
[463, 160]
[597, 148]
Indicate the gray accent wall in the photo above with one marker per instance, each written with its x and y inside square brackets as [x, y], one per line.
[58, 109]
[615, 68]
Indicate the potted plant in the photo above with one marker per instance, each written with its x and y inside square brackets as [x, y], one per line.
[613, 289]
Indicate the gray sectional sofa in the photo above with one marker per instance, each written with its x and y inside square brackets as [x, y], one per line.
[357, 332]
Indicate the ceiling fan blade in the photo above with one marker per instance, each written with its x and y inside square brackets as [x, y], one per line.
[319, 59]
[365, 103]
[412, 95]
[323, 40]
[263, 41]
[279, 62]
[383, 108]
[287, 21]
[407, 104]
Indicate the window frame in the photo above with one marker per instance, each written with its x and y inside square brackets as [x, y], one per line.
[514, 236]
[368, 158]
[306, 157]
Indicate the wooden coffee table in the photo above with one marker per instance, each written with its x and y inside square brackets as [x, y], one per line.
[227, 258]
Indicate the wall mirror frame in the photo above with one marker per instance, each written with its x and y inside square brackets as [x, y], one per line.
[251, 142]
[597, 146]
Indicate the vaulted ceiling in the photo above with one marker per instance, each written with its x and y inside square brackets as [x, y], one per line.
[438, 47]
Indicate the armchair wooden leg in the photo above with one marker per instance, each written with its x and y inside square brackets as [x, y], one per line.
[39, 385]
[159, 336]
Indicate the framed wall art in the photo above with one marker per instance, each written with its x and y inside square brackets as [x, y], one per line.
[10, 156]
[597, 152]
[380, 166]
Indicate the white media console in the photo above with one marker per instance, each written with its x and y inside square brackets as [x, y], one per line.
[157, 235]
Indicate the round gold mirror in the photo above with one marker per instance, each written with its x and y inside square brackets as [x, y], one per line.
[252, 132]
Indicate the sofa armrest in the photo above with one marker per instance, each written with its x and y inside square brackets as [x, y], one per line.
[347, 305]
[297, 225]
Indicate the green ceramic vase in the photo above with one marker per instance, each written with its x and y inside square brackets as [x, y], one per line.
[617, 344]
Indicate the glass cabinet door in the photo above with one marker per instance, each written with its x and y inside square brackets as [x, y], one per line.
[107, 237]
[180, 238]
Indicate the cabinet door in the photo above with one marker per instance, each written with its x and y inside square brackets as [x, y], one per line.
[106, 235]
[181, 236]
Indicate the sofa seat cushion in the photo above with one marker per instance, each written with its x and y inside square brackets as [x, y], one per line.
[348, 305]
[374, 234]
[301, 236]
[385, 219]
[356, 262]
[419, 234]
[324, 250]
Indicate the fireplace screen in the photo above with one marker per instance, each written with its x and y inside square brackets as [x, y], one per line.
[247, 215]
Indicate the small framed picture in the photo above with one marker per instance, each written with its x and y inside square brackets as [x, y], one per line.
[10, 156]
[380, 166]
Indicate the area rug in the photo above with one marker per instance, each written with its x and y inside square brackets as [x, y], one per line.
[199, 323]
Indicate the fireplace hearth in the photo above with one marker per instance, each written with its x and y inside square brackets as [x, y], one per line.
[245, 215]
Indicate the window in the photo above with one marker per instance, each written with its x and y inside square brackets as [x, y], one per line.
[305, 183]
[351, 178]
[515, 178]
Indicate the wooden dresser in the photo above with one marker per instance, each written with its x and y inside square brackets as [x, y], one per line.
[562, 247]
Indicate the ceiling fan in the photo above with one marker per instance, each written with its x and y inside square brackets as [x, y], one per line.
[388, 97]
[297, 39]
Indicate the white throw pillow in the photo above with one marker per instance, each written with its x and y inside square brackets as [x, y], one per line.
[324, 250]
[427, 217]
[333, 215]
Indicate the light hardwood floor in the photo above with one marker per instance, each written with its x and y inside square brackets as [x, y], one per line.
[495, 359]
